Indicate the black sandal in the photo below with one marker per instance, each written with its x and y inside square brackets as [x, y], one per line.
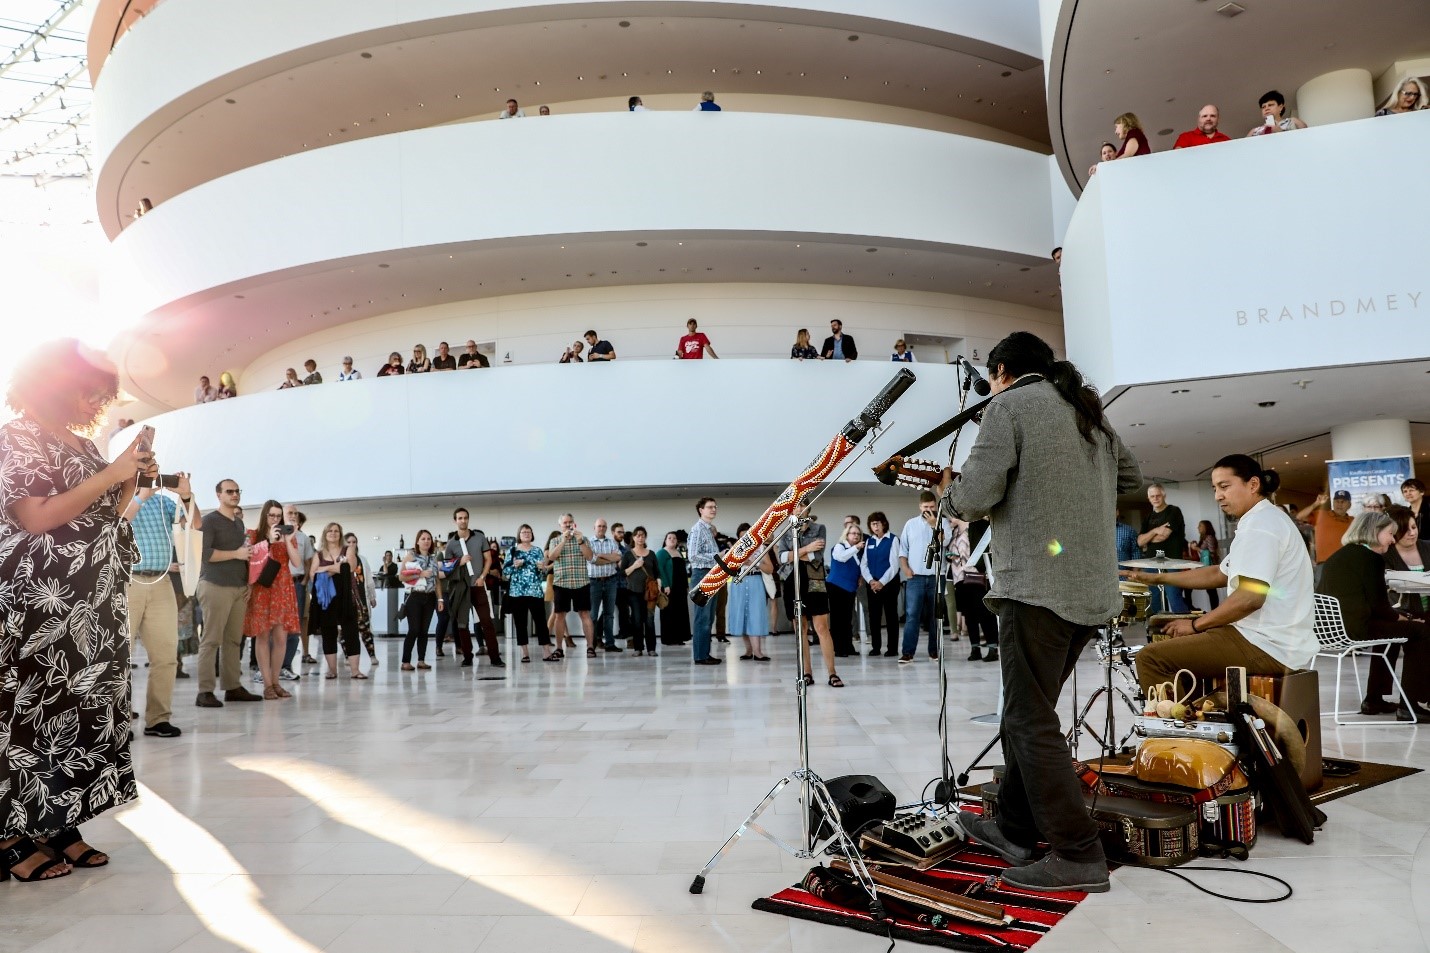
[590, 653]
[809, 679]
[836, 682]
[66, 839]
[23, 849]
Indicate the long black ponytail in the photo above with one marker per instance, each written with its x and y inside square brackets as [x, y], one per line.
[1025, 353]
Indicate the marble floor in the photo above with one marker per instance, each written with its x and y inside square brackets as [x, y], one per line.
[566, 807]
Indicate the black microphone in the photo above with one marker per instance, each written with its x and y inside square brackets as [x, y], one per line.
[980, 386]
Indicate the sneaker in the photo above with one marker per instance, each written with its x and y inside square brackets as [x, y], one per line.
[162, 730]
[1054, 873]
[905, 659]
[208, 700]
[288, 675]
[984, 832]
[256, 677]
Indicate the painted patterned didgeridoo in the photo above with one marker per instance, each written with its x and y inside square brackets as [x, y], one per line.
[767, 527]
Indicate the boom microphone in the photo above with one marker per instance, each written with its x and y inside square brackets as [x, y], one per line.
[980, 386]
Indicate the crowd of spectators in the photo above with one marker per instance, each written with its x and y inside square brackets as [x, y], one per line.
[1409, 96]
[589, 348]
[511, 109]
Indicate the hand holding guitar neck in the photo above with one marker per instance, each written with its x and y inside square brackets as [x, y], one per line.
[914, 473]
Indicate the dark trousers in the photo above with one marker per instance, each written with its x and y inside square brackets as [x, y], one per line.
[420, 606]
[1040, 797]
[883, 615]
[520, 607]
[483, 605]
[1415, 673]
[624, 598]
[841, 620]
[642, 630]
[982, 626]
[603, 609]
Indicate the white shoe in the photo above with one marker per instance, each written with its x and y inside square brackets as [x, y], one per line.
[288, 675]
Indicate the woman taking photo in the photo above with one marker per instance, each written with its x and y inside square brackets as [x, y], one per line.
[332, 607]
[803, 350]
[748, 612]
[674, 584]
[1355, 575]
[290, 379]
[393, 367]
[66, 556]
[272, 609]
[424, 594]
[525, 569]
[843, 588]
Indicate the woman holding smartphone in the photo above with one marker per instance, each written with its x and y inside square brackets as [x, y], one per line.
[273, 609]
[525, 568]
[420, 574]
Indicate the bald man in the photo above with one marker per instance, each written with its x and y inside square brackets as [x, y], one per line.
[1206, 132]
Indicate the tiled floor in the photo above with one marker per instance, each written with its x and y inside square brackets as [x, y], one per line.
[566, 807]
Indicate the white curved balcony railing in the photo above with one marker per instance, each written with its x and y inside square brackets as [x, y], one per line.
[1277, 253]
[569, 429]
[426, 192]
[203, 87]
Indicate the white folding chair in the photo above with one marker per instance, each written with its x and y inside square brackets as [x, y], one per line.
[1335, 643]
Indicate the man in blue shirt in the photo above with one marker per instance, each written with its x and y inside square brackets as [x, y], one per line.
[1126, 541]
[153, 607]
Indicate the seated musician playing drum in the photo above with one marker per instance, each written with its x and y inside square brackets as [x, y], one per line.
[1265, 621]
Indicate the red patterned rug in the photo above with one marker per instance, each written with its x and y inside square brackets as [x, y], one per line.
[968, 872]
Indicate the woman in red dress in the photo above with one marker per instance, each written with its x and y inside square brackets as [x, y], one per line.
[272, 610]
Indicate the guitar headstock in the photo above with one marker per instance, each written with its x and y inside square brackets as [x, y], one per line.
[909, 472]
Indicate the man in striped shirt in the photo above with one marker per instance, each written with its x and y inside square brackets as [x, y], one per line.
[702, 550]
[606, 553]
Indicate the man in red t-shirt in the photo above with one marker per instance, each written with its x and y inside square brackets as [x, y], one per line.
[1206, 132]
[693, 346]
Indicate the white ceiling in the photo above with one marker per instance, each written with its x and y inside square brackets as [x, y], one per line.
[1185, 433]
[378, 87]
[1165, 59]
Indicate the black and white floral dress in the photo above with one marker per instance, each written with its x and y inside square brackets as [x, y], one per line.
[64, 643]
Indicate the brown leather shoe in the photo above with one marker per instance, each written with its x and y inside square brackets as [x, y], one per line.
[208, 700]
[241, 694]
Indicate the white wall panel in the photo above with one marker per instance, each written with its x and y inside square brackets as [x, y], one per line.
[572, 175]
[1276, 253]
[675, 426]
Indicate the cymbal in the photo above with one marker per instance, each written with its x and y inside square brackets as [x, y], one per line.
[1159, 564]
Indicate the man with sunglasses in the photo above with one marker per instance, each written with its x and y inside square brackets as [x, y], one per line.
[223, 596]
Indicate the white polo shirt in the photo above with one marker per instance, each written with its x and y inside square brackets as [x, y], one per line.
[1268, 547]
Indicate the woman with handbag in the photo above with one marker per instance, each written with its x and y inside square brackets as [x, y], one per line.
[748, 613]
[641, 569]
[525, 569]
[674, 584]
[333, 600]
[420, 574]
[808, 583]
[272, 602]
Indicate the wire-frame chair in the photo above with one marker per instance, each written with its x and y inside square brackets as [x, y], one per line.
[1330, 630]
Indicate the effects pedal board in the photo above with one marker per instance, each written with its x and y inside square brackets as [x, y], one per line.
[920, 834]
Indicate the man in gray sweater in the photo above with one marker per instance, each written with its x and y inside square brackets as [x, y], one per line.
[1046, 471]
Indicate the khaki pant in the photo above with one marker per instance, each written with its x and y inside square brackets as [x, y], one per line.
[224, 608]
[154, 621]
[1206, 655]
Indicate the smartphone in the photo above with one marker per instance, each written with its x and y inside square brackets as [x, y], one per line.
[146, 438]
[286, 529]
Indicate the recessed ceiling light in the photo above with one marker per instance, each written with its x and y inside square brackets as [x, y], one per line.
[853, 37]
[1181, 390]
[624, 23]
[640, 244]
[230, 101]
[366, 56]
[1164, 132]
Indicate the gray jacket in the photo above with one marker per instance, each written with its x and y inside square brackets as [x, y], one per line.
[1051, 498]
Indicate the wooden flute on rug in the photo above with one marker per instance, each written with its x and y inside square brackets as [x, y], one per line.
[978, 911]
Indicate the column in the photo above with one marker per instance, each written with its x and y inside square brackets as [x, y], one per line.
[1370, 439]
[1336, 97]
